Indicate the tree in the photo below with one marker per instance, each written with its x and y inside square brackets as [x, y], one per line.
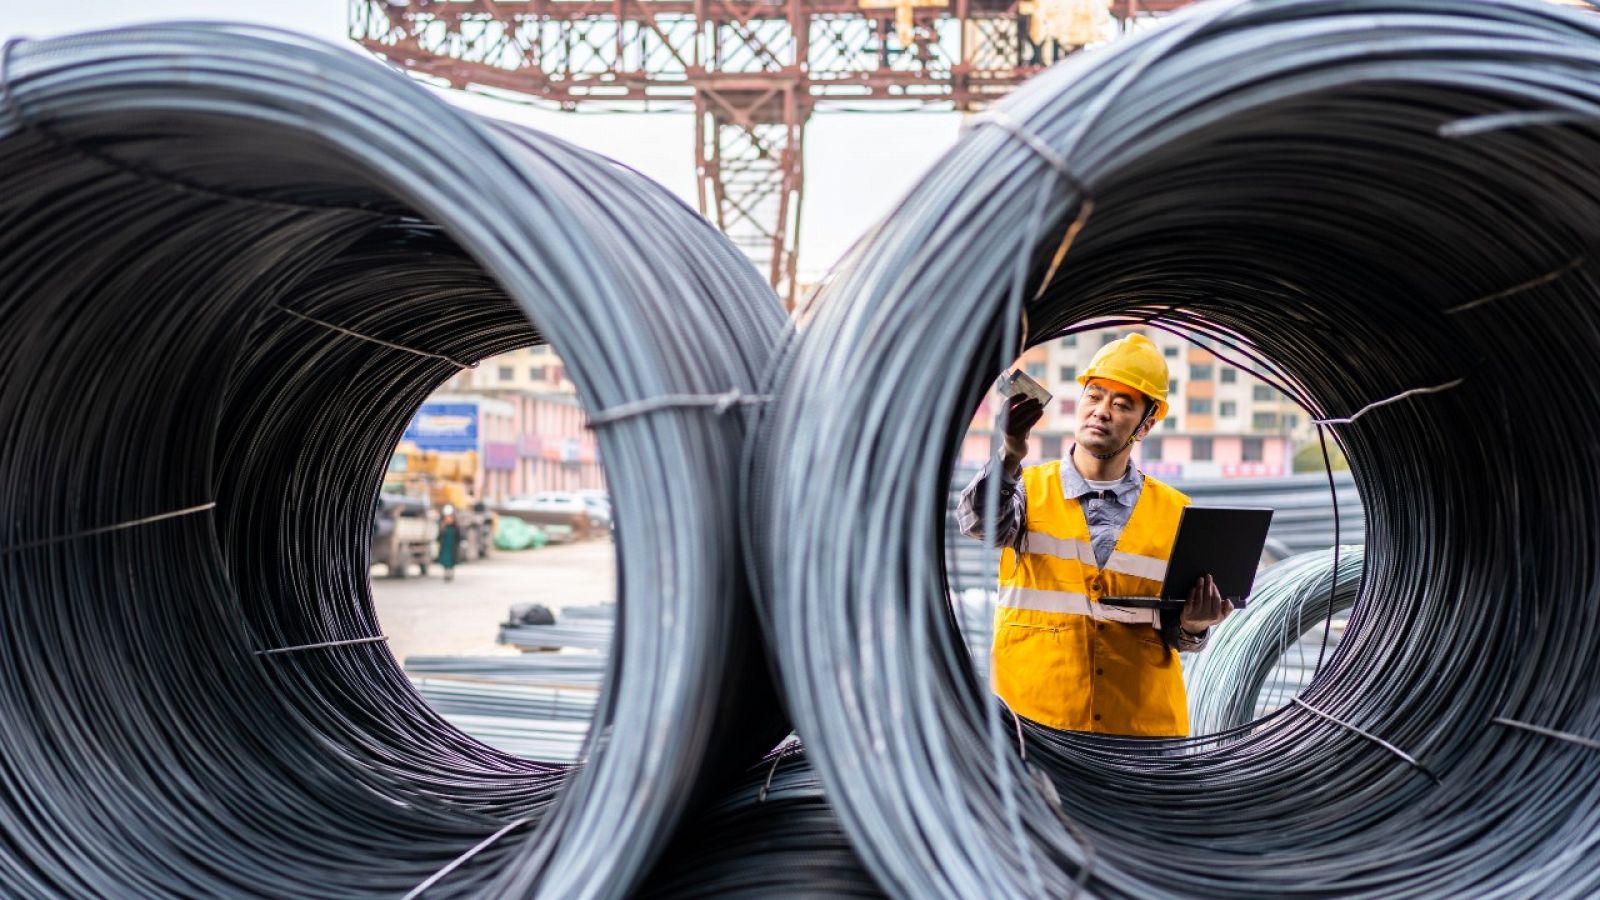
[1309, 458]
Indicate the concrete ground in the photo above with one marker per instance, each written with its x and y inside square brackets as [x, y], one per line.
[427, 616]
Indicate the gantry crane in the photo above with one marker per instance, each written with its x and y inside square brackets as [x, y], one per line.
[753, 71]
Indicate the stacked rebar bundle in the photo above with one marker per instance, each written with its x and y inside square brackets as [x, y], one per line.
[1387, 209]
[232, 263]
[452, 696]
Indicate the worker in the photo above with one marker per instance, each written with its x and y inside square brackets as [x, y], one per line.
[449, 542]
[1081, 528]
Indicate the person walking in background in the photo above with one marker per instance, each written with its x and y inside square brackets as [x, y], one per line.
[449, 542]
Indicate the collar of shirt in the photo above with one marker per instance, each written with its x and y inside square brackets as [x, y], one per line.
[1073, 484]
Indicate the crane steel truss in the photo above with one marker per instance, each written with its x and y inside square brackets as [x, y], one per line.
[753, 72]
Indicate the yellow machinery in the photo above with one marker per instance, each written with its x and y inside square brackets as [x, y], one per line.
[444, 478]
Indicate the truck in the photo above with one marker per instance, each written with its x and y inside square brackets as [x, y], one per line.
[443, 481]
[404, 531]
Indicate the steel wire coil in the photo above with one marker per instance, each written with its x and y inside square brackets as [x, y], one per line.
[1385, 208]
[771, 835]
[1291, 598]
[232, 262]
[305, 434]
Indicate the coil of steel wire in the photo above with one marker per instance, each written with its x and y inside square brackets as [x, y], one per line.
[232, 262]
[1385, 208]
[771, 835]
[1295, 597]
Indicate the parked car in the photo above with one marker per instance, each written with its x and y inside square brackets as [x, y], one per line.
[599, 507]
[561, 509]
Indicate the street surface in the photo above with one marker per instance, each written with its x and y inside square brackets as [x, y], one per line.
[427, 616]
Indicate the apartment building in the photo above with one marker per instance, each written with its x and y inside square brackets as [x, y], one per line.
[534, 369]
[554, 448]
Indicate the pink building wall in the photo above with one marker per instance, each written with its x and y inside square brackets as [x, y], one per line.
[555, 451]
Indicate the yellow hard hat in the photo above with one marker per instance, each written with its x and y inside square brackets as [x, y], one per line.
[1136, 362]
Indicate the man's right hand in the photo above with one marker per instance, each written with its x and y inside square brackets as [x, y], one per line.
[1022, 413]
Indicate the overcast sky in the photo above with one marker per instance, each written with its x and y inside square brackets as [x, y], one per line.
[857, 165]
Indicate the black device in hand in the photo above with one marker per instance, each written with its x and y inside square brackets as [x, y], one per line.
[1223, 542]
[1018, 382]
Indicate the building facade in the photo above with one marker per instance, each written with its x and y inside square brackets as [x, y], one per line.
[1223, 422]
[526, 442]
[533, 369]
[555, 450]
[451, 422]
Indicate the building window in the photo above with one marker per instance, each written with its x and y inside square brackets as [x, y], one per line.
[1107, 338]
[1199, 405]
[1291, 420]
[507, 373]
[1050, 446]
[1069, 406]
[1070, 340]
[1172, 386]
[1200, 449]
[1251, 450]
[558, 374]
[1035, 370]
[1264, 421]
[1227, 409]
[1170, 423]
[1169, 352]
[1261, 392]
[1200, 373]
[1152, 449]
[1229, 375]
[1069, 373]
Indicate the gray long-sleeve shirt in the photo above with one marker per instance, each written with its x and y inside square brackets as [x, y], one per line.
[1106, 515]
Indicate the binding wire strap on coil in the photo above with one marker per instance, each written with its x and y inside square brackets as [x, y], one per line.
[1389, 209]
[232, 262]
[1294, 599]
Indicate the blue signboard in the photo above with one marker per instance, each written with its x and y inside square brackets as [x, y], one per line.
[444, 426]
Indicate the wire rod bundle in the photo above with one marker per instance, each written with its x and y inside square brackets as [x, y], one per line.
[306, 432]
[771, 835]
[1292, 598]
[548, 669]
[232, 262]
[452, 696]
[1387, 209]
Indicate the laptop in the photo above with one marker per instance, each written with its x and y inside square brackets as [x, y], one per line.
[1223, 542]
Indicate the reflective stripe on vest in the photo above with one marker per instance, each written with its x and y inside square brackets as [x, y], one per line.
[1080, 551]
[1146, 567]
[1068, 603]
[1071, 549]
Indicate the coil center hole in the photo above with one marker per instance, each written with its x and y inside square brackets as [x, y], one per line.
[492, 566]
[1226, 438]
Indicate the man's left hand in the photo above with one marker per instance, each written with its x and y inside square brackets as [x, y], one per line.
[1205, 606]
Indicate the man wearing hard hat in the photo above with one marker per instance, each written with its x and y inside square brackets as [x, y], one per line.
[1082, 528]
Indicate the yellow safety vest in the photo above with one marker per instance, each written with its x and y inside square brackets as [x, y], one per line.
[1060, 656]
